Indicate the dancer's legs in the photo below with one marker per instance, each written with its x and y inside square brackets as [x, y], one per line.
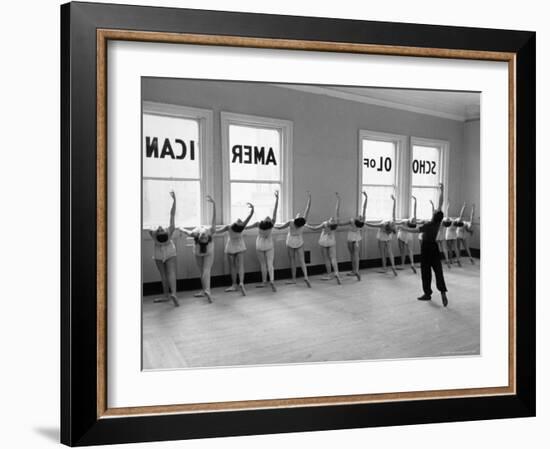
[171, 275]
[231, 260]
[163, 280]
[263, 266]
[331, 251]
[207, 263]
[382, 250]
[390, 252]
[326, 259]
[292, 257]
[239, 262]
[200, 263]
[302, 259]
[269, 256]
[402, 253]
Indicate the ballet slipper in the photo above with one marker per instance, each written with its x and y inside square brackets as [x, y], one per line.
[199, 294]
[163, 299]
[358, 276]
[233, 288]
[273, 286]
[208, 296]
[306, 280]
[243, 291]
[175, 300]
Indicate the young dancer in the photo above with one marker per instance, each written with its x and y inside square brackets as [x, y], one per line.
[165, 256]
[327, 242]
[405, 238]
[295, 242]
[386, 229]
[203, 249]
[264, 245]
[235, 249]
[464, 231]
[450, 237]
[440, 239]
[430, 258]
[354, 238]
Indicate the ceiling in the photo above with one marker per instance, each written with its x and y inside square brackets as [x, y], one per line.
[460, 106]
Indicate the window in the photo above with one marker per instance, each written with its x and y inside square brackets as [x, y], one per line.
[256, 154]
[427, 171]
[175, 153]
[379, 161]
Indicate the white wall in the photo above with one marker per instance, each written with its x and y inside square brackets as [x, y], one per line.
[470, 188]
[325, 146]
[29, 322]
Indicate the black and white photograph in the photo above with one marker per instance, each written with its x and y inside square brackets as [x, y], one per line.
[302, 223]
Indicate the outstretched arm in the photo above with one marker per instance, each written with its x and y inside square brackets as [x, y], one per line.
[253, 225]
[222, 229]
[308, 205]
[393, 209]
[213, 223]
[314, 227]
[282, 226]
[274, 216]
[374, 225]
[440, 204]
[172, 213]
[364, 214]
[412, 230]
[251, 207]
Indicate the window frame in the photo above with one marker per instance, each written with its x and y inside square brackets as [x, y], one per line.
[286, 128]
[444, 148]
[205, 118]
[401, 146]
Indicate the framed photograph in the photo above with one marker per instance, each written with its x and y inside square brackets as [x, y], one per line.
[283, 224]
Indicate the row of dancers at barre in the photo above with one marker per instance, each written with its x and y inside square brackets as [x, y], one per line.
[453, 233]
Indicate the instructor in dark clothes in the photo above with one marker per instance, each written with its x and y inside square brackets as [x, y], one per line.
[430, 258]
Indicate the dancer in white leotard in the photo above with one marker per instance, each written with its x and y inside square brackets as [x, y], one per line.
[465, 232]
[386, 230]
[327, 242]
[295, 242]
[264, 246]
[405, 239]
[235, 249]
[356, 228]
[203, 249]
[450, 225]
[165, 256]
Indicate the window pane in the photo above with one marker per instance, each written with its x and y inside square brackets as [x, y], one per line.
[157, 203]
[171, 147]
[379, 162]
[423, 197]
[262, 196]
[379, 206]
[254, 153]
[425, 166]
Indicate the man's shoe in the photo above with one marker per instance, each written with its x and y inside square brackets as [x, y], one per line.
[424, 298]
[444, 299]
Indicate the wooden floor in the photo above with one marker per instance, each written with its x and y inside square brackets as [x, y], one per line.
[377, 318]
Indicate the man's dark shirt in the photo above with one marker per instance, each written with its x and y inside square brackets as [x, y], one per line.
[429, 231]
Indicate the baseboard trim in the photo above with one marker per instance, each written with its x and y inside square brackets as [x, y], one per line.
[155, 288]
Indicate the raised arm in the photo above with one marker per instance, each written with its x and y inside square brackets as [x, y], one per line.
[440, 204]
[213, 222]
[462, 211]
[414, 208]
[433, 207]
[251, 207]
[274, 216]
[337, 208]
[172, 213]
[472, 213]
[308, 205]
[393, 209]
[365, 201]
